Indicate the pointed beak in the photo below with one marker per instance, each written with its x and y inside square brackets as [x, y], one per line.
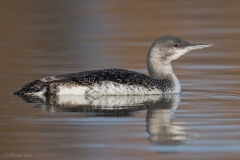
[198, 46]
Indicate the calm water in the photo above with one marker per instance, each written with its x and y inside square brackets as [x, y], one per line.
[40, 38]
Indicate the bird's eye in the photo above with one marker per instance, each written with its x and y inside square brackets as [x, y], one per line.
[175, 45]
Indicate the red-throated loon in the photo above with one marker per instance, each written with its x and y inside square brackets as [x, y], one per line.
[161, 79]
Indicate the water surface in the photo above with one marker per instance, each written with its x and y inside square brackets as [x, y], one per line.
[41, 38]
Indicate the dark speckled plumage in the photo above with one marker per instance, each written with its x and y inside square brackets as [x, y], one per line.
[124, 77]
[89, 78]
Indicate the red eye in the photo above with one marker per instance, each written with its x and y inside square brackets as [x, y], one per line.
[175, 45]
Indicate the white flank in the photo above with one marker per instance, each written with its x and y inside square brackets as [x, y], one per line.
[119, 102]
[109, 102]
[112, 88]
[74, 90]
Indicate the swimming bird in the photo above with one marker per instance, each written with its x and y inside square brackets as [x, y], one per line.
[161, 79]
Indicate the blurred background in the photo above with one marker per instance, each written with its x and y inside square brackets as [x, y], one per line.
[40, 38]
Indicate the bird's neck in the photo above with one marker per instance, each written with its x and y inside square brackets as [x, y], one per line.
[158, 68]
[161, 69]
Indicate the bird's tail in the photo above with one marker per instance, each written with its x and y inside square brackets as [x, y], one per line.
[36, 87]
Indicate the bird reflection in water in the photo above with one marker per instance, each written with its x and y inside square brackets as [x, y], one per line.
[159, 125]
[160, 109]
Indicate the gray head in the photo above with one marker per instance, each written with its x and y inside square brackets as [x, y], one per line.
[164, 50]
[170, 48]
